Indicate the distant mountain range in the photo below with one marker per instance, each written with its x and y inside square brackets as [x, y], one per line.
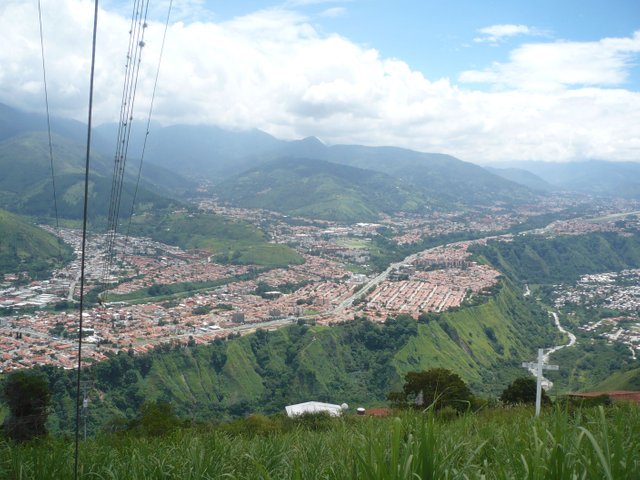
[255, 169]
[593, 177]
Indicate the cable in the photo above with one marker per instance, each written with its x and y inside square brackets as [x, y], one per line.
[84, 233]
[136, 43]
[146, 136]
[46, 101]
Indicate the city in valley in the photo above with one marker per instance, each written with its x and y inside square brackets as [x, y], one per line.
[334, 284]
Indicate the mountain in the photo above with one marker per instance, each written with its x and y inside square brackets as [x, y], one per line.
[216, 154]
[200, 150]
[523, 177]
[324, 190]
[26, 183]
[26, 247]
[594, 177]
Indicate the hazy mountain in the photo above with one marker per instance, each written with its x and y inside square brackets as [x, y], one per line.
[319, 189]
[26, 184]
[215, 154]
[618, 179]
[523, 177]
[201, 151]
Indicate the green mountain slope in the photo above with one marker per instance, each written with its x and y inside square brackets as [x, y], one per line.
[319, 189]
[357, 362]
[629, 380]
[26, 186]
[25, 247]
[537, 259]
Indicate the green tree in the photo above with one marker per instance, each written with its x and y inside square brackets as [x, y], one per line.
[27, 395]
[437, 387]
[523, 390]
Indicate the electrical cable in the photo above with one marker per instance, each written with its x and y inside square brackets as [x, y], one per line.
[46, 102]
[84, 235]
[146, 136]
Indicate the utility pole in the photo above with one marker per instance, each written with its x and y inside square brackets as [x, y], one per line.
[85, 404]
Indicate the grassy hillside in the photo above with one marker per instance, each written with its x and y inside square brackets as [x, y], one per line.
[27, 247]
[629, 380]
[356, 362]
[319, 189]
[537, 259]
[229, 240]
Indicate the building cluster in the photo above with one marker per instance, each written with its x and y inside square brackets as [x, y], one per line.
[618, 293]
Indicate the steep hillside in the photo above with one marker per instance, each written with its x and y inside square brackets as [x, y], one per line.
[537, 259]
[26, 247]
[629, 380]
[357, 361]
[318, 189]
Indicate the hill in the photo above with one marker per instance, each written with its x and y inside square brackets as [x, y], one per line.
[26, 185]
[26, 247]
[536, 259]
[229, 240]
[319, 189]
[629, 380]
[357, 361]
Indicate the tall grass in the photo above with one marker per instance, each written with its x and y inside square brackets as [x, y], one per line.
[493, 444]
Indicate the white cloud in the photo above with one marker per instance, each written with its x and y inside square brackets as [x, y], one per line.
[497, 33]
[334, 12]
[274, 71]
[559, 64]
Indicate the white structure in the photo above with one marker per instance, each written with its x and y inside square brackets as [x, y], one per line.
[315, 407]
[536, 369]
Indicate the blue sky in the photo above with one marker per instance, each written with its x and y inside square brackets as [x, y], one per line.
[487, 81]
[437, 37]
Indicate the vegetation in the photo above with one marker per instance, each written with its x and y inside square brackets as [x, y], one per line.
[228, 240]
[27, 395]
[491, 444]
[523, 390]
[25, 247]
[541, 260]
[323, 190]
[437, 388]
[355, 362]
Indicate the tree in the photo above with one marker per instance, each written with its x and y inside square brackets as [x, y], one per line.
[27, 395]
[436, 387]
[523, 390]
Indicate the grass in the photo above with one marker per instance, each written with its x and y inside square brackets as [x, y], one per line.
[492, 444]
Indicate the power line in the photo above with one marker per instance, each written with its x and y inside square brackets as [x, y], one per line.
[84, 233]
[146, 136]
[46, 101]
[132, 72]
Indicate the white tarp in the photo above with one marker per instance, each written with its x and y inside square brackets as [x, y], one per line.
[313, 407]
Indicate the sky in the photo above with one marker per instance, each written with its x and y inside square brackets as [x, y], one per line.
[486, 81]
